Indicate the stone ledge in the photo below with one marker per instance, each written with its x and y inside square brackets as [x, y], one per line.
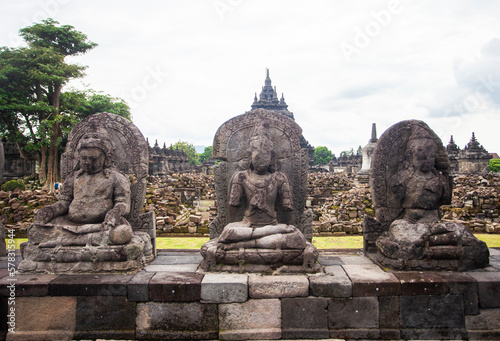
[343, 302]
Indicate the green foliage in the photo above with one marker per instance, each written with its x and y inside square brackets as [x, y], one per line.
[207, 154]
[347, 153]
[322, 156]
[13, 185]
[494, 165]
[82, 104]
[189, 149]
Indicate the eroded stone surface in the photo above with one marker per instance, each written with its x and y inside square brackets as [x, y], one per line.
[224, 288]
[278, 286]
[254, 319]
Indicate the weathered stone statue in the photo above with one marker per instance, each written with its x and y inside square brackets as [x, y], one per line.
[95, 226]
[410, 180]
[259, 220]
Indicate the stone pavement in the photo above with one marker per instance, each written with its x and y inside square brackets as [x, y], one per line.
[170, 299]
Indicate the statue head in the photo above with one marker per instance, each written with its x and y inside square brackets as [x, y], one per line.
[421, 151]
[262, 151]
[95, 153]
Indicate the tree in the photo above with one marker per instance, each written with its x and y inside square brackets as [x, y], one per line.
[31, 82]
[322, 156]
[82, 104]
[189, 149]
[206, 155]
[494, 165]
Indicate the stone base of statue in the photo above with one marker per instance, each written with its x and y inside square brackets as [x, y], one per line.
[47, 250]
[259, 260]
[430, 246]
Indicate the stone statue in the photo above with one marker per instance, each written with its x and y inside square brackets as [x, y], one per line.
[95, 227]
[410, 181]
[260, 207]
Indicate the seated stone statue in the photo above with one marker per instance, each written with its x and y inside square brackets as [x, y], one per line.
[260, 187]
[96, 225]
[417, 238]
[94, 200]
[260, 202]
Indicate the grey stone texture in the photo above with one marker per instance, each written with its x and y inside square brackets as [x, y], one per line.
[258, 319]
[353, 313]
[97, 225]
[224, 288]
[260, 220]
[278, 286]
[175, 287]
[410, 180]
[89, 285]
[435, 311]
[304, 318]
[177, 321]
[336, 283]
[370, 280]
[105, 317]
[489, 288]
[44, 318]
[138, 287]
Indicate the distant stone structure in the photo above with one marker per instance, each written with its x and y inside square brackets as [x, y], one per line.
[364, 172]
[163, 161]
[98, 224]
[346, 163]
[16, 163]
[409, 182]
[261, 185]
[473, 159]
[268, 99]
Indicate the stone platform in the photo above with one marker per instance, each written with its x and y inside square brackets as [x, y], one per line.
[171, 299]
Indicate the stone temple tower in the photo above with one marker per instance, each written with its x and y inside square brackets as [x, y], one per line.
[364, 172]
[268, 99]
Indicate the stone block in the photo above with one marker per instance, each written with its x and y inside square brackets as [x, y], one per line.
[334, 284]
[304, 318]
[370, 280]
[278, 286]
[353, 313]
[429, 312]
[224, 288]
[355, 260]
[104, 317]
[254, 319]
[89, 285]
[27, 285]
[488, 319]
[389, 312]
[44, 318]
[327, 260]
[138, 287]
[434, 334]
[178, 321]
[186, 258]
[175, 287]
[422, 283]
[172, 268]
[463, 284]
[349, 334]
[489, 288]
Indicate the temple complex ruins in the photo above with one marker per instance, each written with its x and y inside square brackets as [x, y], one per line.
[163, 161]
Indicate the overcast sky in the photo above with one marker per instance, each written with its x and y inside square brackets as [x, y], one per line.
[186, 67]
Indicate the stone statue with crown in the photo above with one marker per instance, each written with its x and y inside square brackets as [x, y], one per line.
[409, 181]
[260, 186]
[97, 224]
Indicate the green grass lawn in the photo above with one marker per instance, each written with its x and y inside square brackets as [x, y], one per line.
[347, 242]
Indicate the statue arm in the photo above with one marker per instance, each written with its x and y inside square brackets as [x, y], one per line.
[285, 194]
[236, 190]
[121, 198]
[47, 213]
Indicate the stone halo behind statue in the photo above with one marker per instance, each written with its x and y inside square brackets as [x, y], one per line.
[97, 224]
[409, 182]
[260, 185]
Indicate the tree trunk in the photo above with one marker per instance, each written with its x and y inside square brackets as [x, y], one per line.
[43, 165]
[53, 151]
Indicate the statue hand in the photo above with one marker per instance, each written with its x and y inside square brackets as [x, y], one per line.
[113, 218]
[44, 215]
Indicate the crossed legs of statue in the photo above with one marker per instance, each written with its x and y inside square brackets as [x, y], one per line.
[237, 235]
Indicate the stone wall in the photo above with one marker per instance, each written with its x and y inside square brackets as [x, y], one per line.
[169, 299]
[185, 204]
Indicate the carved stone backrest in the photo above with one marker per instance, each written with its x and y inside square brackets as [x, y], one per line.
[389, 158]
[130, 156]
[231, 148]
